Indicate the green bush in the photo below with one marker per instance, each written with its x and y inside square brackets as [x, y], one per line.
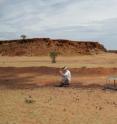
[53, 55]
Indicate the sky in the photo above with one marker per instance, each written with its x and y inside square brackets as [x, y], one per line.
[92, 20]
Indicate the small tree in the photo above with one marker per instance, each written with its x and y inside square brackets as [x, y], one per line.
[53, 55]
[23, 37]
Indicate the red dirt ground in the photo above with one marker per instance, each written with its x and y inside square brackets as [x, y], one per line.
[84, 102]
[35, 77]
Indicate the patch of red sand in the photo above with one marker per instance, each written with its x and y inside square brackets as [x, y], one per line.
[35, 77]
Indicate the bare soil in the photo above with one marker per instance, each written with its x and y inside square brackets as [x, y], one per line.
[85, 101]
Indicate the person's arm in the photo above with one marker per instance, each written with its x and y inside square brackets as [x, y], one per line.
[61, 73]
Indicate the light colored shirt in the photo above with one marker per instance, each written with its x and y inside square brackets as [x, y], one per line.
[67, 75]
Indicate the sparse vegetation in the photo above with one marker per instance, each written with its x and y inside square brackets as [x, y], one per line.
[53, 55]
[92, 61]
[29, 95]
[23, 36]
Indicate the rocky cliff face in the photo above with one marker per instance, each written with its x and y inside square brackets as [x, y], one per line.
[42, 46]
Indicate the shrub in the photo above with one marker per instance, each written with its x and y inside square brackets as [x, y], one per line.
[53, 55]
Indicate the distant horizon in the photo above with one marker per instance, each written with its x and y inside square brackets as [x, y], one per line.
[88, 20]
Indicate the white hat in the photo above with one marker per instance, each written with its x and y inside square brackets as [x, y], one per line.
[65, 68]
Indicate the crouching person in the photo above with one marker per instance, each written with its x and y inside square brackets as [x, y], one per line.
[66, 77]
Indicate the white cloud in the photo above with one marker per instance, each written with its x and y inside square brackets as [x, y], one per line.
[76, 19]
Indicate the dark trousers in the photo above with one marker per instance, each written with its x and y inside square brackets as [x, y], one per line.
[65, 83]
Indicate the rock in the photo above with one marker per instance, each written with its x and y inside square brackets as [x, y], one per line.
[42, 46]
[29, 99]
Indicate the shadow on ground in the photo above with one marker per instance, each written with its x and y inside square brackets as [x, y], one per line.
[10, 79]
[25, 83]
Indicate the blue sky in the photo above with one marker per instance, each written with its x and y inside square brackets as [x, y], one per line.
[64, 19]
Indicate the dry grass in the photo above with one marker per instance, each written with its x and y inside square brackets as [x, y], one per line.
[101, 60]
[58, 106]
[85, 104]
